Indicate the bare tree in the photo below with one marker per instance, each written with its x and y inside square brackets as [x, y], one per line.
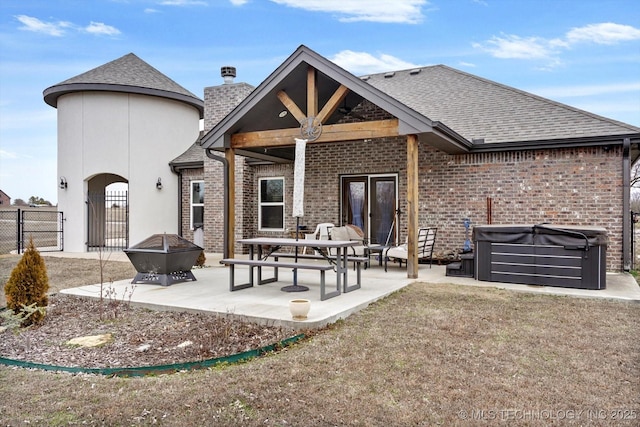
[635, 176]
[635, 201]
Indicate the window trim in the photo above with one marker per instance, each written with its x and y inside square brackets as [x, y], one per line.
[192, 205]
[261, 204]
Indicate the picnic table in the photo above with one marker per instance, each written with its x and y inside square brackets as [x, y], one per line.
[266, 252]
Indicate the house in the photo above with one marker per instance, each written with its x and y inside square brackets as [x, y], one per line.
[5, 200]
[426, 146]
[389, 152]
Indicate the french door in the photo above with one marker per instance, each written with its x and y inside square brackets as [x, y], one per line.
[370, 202]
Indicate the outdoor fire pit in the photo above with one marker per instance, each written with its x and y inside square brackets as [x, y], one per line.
[163, 259]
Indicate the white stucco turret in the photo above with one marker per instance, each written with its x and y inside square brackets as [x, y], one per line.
[121, 122]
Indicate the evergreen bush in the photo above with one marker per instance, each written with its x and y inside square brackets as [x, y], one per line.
[28, 285]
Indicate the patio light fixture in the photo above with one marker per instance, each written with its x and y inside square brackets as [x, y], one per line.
[63, 183]
[159, 184]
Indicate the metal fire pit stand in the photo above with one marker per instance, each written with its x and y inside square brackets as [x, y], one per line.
[164, 259]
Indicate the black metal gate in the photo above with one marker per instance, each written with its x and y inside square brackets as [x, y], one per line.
[44, 225]
[108, 221]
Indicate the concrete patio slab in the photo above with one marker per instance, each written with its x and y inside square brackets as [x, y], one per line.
[268, 304]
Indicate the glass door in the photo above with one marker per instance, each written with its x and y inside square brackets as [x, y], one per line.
[354, 201]
[370, 202]
[383, 202]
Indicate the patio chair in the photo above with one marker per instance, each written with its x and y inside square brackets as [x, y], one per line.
[426, 242]
[353, 233]
[321, 233]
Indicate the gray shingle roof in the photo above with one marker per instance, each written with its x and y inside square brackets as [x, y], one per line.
[479, 108]
[192, 157]
[126, 74]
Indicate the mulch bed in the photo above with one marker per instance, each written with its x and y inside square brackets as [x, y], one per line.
[141, 337]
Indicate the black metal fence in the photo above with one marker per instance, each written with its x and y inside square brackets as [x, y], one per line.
[44, 225]
[108, 221]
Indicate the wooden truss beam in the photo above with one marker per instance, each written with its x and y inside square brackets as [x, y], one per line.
[330, 133]
[333, 103]
[291, 106]
[312, 93]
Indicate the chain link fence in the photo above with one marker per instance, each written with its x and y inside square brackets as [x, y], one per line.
[44, 225]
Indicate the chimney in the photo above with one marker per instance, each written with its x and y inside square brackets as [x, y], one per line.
[221, 99]
[228, 74]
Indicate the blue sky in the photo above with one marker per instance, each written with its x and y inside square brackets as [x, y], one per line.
[585, 53]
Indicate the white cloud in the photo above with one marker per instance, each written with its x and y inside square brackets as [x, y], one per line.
[57, 29]
[29, 23]
[509, 46]
[6, 155]
[239, 2]
[466, 64]
[366, 63]
[604, 33]
[151, 10]
[183, 3]
[101, 29]
[398, 11]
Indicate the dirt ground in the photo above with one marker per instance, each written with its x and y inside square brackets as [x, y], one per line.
[427, 355]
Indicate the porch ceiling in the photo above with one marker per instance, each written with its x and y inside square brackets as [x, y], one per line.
[265, 115]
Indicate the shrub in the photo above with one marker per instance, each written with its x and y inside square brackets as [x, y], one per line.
[28, 285]
[201, 260]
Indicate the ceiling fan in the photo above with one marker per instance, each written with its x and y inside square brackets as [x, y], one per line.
[348, 112]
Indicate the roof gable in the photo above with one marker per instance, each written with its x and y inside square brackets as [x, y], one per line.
[128, 74]
[260, 110]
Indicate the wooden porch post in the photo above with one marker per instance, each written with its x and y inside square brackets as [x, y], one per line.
[412, 206]
[230, 156]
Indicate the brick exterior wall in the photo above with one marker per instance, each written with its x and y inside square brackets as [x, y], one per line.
[579, 186]
[565, 186]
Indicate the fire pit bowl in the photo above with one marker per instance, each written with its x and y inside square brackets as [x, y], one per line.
[163, 259]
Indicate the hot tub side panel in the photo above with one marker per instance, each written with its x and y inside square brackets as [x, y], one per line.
[526, 255]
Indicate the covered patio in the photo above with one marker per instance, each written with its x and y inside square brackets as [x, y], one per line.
[311, 98]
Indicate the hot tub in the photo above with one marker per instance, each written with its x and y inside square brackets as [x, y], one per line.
[548, 255]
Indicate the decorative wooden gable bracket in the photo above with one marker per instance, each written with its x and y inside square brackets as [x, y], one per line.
[313, 122]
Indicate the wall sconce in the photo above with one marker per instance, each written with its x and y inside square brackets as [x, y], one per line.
[63, 183]
[159, 184]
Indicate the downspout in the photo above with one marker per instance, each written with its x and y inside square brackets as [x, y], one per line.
[180, 233]
[225, 214]
[626, 204]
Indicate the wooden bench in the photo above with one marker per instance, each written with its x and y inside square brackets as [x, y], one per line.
[259, 264]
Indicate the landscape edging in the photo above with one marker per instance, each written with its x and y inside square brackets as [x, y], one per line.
[139, 371]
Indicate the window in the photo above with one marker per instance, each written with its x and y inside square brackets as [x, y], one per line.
[197, 204]
[271, 204]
